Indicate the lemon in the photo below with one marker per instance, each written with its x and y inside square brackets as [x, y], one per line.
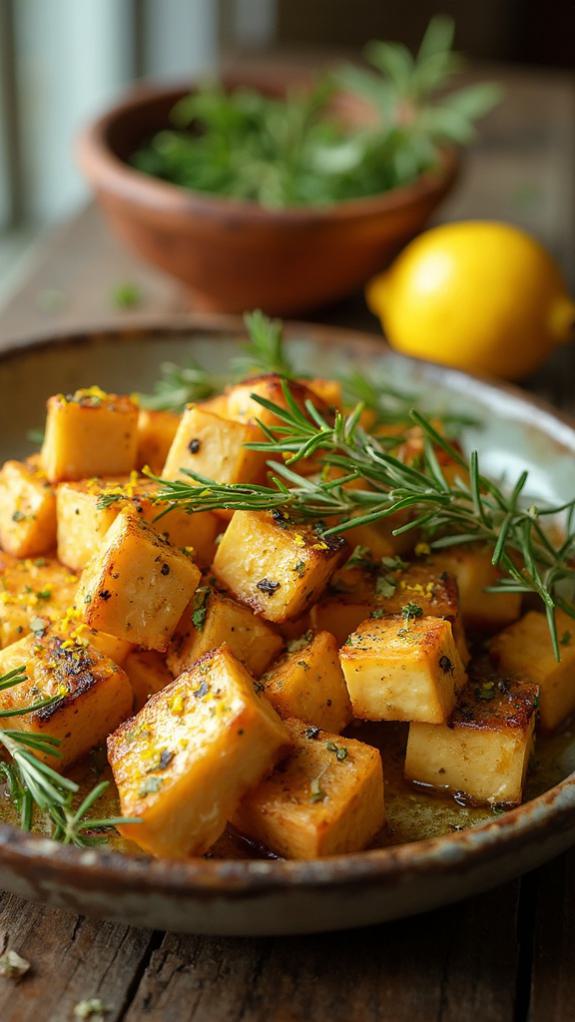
[479, 295]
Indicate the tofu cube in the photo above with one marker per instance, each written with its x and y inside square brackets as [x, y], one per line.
[213, 618]
[86, 509]
[89, 433]
[278, 568]
[339, 616]
[184, 762]
[524, 649]
[242, 407]
[156, 432]
[136, 586]
[472, 568]
[148, 674]
[400, 668]
[214, 447]
[27, 509]
[387, 585]
[33, 593]
[94, 694]
[308, 681]
[482, 752]
[326, 798]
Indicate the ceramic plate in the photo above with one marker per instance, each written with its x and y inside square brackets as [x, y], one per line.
[264, 896]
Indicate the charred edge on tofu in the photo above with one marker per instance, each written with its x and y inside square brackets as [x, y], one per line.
[491, 702]
[67, 664]
[310, 536]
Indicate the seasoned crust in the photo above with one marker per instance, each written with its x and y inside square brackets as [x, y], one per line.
[490, 701]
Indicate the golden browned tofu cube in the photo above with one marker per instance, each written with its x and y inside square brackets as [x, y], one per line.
[33, 592]
[472, 568]
[482, 752]
[402, 668]
[86, 509]
[387, 585]
[148, 673]
[308, 681]
[242, 406]
[214, 447]
[278, 568]
[326, 798]
[188, 757]
[524, 649]
[213, 618]
[89, 433]
[27, 510]
[156, 432]
[93, 693]
[136, 586]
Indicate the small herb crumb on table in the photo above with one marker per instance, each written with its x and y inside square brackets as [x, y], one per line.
[507, 954]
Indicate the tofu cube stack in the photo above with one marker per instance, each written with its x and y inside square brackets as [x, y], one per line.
[86, 510]
[222, 655]
[481, 753]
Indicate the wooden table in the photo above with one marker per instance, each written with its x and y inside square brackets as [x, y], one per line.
[508, 955]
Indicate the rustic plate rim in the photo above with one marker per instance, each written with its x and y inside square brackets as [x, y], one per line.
[550, 813]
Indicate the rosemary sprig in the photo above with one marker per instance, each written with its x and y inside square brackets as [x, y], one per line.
[470, 509]
[33, 783]
[392, 406]
[263, 352]
[179, 386]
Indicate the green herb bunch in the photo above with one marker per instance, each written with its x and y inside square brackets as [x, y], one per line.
[282, 152]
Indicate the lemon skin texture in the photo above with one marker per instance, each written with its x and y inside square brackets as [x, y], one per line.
[482, 296]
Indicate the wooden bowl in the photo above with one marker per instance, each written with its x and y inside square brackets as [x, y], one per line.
[255, 896]
[235, 255]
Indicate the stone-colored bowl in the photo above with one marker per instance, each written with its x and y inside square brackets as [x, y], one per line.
[272, 897]
[234, 255]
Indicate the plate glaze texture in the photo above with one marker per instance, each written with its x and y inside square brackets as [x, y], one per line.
[258, 896]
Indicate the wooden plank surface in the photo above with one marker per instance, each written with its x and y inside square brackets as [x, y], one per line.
[508, 955]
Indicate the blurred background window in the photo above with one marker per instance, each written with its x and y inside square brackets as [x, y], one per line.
[63, 60]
